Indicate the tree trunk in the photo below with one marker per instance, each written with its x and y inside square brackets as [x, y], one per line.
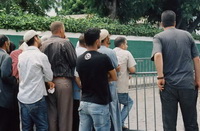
[194, 24]
[112, 7]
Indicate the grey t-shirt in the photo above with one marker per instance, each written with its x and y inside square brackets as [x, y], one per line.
[178, 49]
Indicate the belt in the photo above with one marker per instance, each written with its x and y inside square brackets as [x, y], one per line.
[60, 77]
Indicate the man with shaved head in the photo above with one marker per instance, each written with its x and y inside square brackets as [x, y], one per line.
[62, 57]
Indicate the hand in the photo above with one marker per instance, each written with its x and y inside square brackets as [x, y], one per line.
[197, 84]
[161, 83]
[118, 68]
[51, 85]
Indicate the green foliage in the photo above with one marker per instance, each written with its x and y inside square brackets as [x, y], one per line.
[71, 7]
[30, 21]
[37, 7]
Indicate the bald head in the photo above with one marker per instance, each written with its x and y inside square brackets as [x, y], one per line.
[56, 27]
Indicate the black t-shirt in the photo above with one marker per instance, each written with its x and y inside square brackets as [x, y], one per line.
[93, 68]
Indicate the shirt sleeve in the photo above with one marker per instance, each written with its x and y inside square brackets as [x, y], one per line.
[109, 63]
[6, 71]
[70, 53]
[114, 61]
[48, 74]
[131, 60]
[194, 49]
[157, 46]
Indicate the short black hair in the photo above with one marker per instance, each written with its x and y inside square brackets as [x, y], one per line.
[119, 41]
[31, 41]
[3, 39]
[168, 18]
[91, 35]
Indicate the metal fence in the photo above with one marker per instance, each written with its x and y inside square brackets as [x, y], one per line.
[144, 92]
[144, 65]
[146, 114]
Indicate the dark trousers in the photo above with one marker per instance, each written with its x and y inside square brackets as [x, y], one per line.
[187, 99]
[75, 126]
[8, 120]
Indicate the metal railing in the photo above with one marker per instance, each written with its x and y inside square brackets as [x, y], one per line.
[144, 65]
[144, 92]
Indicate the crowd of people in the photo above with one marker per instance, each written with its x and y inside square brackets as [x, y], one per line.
[50, 85]
[50, 89]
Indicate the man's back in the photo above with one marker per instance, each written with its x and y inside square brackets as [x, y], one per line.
[93, 67]
[178, 50]
[34, 69]
[61, 55]
[126, 61]
[6, 81]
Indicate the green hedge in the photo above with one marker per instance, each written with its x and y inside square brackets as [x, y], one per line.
[29, 21]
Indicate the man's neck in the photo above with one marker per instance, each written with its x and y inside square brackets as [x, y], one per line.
[3, 49]
[169, 27]
[92, 48]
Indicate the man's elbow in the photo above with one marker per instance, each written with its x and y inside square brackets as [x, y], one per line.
[132, 70]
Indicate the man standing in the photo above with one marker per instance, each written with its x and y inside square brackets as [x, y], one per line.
[7, 85]
[14, 55]
[177, 62]
[76, 85]
[62, 57]
[34, 70]
[127, 65]
[93, 69]
[114, 105]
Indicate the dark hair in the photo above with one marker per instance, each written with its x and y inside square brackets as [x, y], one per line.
[168, 18]
[91, 35]
[119, 41]
[31, 41]
[81, 40]
[12, 47]
[3, 39]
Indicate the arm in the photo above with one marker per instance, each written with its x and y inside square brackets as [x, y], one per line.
[158, 60]
[112, 75]
[131, 69]
[48, 74]
[78, 81]
[70, 54]
[6, 71]
[196, 61]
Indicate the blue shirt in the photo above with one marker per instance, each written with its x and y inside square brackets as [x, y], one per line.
[111, 54]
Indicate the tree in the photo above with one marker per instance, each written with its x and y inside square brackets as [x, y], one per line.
[37, 7]
[188, 17]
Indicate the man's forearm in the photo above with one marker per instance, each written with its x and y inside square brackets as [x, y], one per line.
[197, 68]
[158, 60]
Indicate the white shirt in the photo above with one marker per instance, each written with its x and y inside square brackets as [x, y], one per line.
[125, 60]
[34, 69]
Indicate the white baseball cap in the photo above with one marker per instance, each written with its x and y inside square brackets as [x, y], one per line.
[103, 34]
[30, 34]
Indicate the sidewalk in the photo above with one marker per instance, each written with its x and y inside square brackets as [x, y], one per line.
[150, 123]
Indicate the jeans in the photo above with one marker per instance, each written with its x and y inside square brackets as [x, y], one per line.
[94, 115]
[35, 113]
[115, 112]
[127, 103]
[187, 99]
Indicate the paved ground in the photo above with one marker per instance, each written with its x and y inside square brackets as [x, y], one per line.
[148, 123]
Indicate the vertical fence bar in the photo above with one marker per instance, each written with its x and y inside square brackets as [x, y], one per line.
[145, 103]
[137, 102]
[154, 101]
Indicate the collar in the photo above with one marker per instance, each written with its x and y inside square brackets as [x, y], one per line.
[55, 36]
[3, 50]
[32, 48]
